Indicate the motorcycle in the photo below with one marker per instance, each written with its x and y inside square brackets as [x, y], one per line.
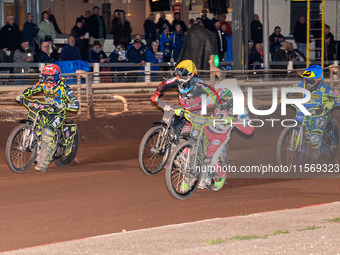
[294, 145]
[23, 143]
[189, 164]
[155, 147]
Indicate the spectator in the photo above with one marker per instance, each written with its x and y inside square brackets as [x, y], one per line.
[10, 39]
[153, 55]
[46, 27]
[97, 55]
[115, 19]
[122, 30]
[44, 54]
[220, 40]
[294, 54]
[330, 44]
[53, 20]
[215, 18]
[176, 21]
[96, 27]
[161, 23]
[87, 14]
[139, 37]
[30, 32]
[199, 22]
[275, 40]
[221, 19]
[118, 55]
[177, 39]
[191, 22]
[23, 55]
[165, 44]
[53, 50]
[316, 32]
[79, 34]
[136, 55]
[282, 52]
[150, 30]
[300, 34]
[255, 56]
[70, 52]
[224, 27]
[256, 29]
[207, 22]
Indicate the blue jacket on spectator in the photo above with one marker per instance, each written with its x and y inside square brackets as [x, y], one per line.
[96, 56]
[165, 45]
[30, 32]
[69, 52]
[143, 47]
[136, 56]
[177, 43]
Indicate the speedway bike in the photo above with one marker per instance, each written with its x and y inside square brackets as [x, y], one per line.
[155, 147]
[23, 143]
[294, 145]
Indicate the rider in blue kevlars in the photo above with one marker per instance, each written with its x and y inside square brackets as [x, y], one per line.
[323, 99]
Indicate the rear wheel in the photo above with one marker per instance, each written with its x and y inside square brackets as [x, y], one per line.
[67, 160]
[181, 178]
[289, 149]
[19, 156]
[154, 150]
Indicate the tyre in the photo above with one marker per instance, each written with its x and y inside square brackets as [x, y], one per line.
[67, 160]
[19, 157]
[330, 141]
[289, 149]
[181, 179]
[151, 158]
[224, 163]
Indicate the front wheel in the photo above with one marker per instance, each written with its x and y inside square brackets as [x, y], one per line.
[154, 150]
[181, 178]
[290, 147]
[64, 160]
[20, 152]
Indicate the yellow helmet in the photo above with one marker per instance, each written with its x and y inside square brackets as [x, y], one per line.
[184, 72]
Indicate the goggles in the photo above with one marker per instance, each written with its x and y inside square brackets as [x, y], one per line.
[50, 78]
[310, 82]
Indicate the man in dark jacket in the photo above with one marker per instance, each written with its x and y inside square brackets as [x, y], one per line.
[30, 31]
[96, 26]
[176, 21]
[300, 34]
[207, 22]
[121, 30]
[70, 51]
[256, 30]
[161, 23]
[10, 39]
[150, 30]
[275, 40]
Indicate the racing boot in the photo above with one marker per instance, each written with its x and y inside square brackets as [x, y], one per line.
[219, 178]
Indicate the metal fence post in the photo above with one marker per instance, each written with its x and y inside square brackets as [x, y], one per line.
[89, 97]
[96, 78]
[147, 71]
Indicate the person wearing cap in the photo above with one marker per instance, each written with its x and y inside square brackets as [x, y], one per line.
[70, 52]
[53, 50]
[79, 33]
[96, 27]
[46, 27]
[207, 22]
[177, 20]
[136, 54]
[139, 37]
[10, 39]
[30, 31]
[23, 55]
[96, 54]
[165, 44]
[275, 40]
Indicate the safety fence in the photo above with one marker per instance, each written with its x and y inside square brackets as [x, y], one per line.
[108, 93]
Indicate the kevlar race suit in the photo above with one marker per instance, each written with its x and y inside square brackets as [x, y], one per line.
[61, 96]
[323, 98]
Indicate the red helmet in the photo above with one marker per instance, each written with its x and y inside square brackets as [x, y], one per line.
[50, 75]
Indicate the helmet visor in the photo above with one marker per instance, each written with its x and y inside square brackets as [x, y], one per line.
[310, 83]
[50, 78]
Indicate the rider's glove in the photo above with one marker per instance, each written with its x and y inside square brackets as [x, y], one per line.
[56, 106]
[19, 99]
[179, 112]
[329, 105]
[155, 96]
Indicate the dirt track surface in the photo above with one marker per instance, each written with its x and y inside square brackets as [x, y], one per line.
[106, 192]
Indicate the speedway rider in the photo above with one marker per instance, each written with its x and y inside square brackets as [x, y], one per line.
[61, 98]
[322, 100]
[190, 90]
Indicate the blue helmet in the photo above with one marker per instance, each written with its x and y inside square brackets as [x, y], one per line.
[313, 77]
